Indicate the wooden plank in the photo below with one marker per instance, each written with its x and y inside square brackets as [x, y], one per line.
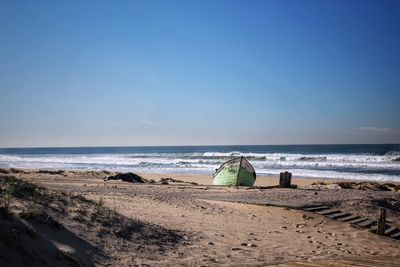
[348, 218]
[285, 204]
[338, 215]
[381, 222]
[317, 208]
[390, 230]
[358, 220]
[330, 211]
[366, 223]
[396, 236]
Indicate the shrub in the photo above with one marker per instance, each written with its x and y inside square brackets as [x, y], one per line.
[19, 188]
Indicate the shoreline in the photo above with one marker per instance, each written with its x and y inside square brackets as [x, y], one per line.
[372, 162]
[205, 179]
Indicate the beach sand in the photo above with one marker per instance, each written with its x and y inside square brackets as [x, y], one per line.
[183, 224]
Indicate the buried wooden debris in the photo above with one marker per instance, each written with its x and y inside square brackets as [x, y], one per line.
[358, 220]
[338, 215]
[330, 211]
[367, 223]
[348, 218]
[395, 236]
[390, 230]
[317, 208]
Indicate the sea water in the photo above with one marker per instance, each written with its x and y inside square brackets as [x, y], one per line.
[367, 162]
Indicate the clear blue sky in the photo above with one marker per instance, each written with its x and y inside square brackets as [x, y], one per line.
[103, 73]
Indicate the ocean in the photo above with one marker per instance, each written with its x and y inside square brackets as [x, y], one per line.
[366, 162]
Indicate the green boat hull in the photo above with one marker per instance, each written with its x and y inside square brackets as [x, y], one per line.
[235, 172]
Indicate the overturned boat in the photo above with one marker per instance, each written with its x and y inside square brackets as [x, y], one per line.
[235, 172]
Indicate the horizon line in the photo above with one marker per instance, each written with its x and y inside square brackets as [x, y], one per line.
[292, 144]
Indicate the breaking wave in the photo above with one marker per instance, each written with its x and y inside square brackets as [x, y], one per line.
[383, 166]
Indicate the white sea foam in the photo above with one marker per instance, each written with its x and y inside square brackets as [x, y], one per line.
[351, 166]
[333, 174]
[393, 153]
[317, 157]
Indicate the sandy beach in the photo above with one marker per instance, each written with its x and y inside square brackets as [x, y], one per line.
[183, 222]
[199, 133]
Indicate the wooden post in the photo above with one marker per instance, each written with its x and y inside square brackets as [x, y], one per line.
[285, 180]
[381, 222]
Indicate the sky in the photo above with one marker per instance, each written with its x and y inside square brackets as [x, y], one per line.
[132, 73]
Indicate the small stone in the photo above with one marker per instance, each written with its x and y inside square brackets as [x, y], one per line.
[236, 249]
[243, 244]
[300, 225]
[210, 243]
[252, 245]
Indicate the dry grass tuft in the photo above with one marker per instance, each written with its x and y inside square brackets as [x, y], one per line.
[369, 186]
[41, 216]
[319, 183]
